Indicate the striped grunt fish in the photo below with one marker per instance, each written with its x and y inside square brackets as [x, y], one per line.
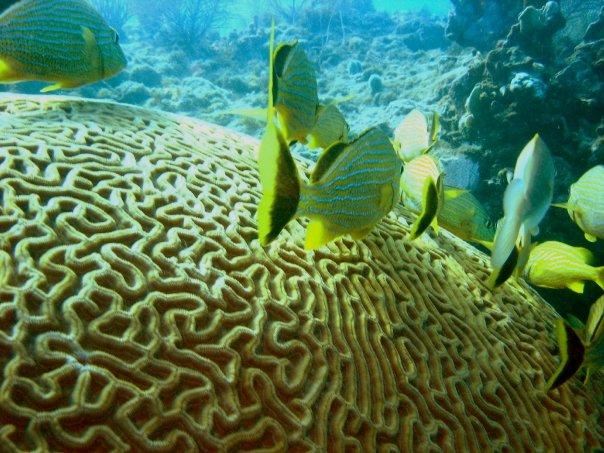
[65, 42]
[585, 203]
[554, 264]
[422, 191]
[293, 86]
[463, 215]
[352, 186]
[330, 127]
[411, 136]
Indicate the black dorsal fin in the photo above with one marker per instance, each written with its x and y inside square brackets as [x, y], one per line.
[326, 160]
[279, 58]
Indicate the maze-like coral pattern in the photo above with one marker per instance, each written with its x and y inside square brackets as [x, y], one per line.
[137, 310]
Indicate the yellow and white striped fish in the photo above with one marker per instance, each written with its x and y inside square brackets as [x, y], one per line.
[463, 215]
[422, 191]
[525, 202]
[411, 136]
[352, 186]
[330, 127]
[555, 264]
[65, 42]
[293, 85]
[585, 204]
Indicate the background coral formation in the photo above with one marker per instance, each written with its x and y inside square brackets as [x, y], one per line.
[137, 309]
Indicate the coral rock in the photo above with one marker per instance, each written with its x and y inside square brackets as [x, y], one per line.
[138, 311]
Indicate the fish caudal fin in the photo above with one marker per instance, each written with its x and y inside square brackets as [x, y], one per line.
[280, 184]
[572, 352]
[429, 209]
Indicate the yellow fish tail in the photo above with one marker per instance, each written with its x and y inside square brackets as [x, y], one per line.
[572, 353]
[280, 185]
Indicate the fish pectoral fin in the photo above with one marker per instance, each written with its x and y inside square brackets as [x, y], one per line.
[577, 286]
[360, 234]
[54, 87]
[7, 72]
[590, 237]
[317, 235]
[92, 50]
[386, 197]
[560, 205]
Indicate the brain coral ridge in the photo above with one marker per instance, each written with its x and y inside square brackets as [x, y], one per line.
[139, 313]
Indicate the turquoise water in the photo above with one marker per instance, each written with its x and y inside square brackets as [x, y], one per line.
[470, 84]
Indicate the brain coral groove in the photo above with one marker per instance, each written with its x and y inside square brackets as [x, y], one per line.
[138, 312]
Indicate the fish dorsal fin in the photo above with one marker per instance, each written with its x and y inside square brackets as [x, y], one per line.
[327, 159]
[271, 71]
[434, 128]
[595, 322]
[92, 51]
[279, 57]
[584, 254]
[572, 352]
[429, 208]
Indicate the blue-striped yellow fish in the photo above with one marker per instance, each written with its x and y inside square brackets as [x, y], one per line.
[330, 127]
[422, 191]
[580, 347]
[585, 203]
[65, 42]
[411, 136]
[293, 87]
[525, 202]
[463, 215]
[555, 264]
[352, 186]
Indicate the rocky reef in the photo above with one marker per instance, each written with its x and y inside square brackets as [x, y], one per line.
[137, 309]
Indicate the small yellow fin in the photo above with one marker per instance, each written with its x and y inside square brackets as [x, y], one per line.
[590, 237]
[258, 114]
[360, 234]
[386, 197]
[93, 52]
[560, 205]
[56, 86]
[317, 235]
[577, 286]
[7, 72]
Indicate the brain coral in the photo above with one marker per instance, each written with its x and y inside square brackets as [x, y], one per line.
[137, 310]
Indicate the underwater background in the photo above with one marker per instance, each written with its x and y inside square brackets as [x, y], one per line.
[495, 79]
[495, 74]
